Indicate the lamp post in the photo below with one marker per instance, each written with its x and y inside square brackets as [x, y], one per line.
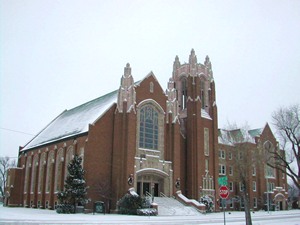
[268, 196]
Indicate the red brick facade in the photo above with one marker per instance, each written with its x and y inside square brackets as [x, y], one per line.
[139, 136]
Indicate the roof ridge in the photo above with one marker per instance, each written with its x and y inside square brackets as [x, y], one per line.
[93, 100]
[43, 129]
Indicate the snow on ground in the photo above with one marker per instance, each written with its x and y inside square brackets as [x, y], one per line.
[40, 216]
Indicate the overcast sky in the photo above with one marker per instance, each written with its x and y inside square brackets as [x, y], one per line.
[55, 55]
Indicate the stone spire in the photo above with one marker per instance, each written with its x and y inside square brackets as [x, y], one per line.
[193, 58]
[176, 65]
[208, 67]
[126, 95]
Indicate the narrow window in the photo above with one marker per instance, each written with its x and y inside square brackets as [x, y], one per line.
[222, 154]
[151, 87]
[202, 94]
[183, 94]
[206, 141]
[58, 169]
[230, 155]
[49, 171]
[231, 186]
[253, 171]
[254, 186]
[222, 169]
[206, 165]
[33, 173]
[254, 202]
[69, 157]
[28, 165]
[41, 172]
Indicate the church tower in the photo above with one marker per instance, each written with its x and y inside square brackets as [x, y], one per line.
[197, 110]
[126, 92]
[124, 135]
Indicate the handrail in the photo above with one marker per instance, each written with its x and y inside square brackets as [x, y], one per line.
[162, 195]
[148, 194]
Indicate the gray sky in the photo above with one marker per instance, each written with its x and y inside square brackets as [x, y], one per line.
[55, 55]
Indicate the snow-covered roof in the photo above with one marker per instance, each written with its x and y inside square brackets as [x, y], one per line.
[255, 132]
[231, 137]
[74, 121]
[205, 114]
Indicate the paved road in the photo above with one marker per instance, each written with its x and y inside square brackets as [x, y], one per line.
[26, 216]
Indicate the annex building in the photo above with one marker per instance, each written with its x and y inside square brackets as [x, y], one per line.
[142, 136]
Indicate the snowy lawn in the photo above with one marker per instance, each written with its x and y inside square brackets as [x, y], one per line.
[40, 216]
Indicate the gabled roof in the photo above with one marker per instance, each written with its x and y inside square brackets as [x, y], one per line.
[74, 121]
[255, 132]
[230, 137]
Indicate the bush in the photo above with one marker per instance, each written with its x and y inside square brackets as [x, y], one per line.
[65, 208]
[129, 204]
[147, 212]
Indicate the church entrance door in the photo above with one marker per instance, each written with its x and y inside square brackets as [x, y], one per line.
[149, 184]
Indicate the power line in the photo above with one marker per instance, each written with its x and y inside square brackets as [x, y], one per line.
[16, 131]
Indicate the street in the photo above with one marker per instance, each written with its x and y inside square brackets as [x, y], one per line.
[40, 216]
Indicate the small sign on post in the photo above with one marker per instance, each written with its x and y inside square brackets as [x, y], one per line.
[224, 193]
[223, 181]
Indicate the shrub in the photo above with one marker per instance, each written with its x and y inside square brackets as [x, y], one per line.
[65, 208]
[147, 212]
[129, 204]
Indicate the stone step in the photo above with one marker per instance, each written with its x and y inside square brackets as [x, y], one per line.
[170, 206]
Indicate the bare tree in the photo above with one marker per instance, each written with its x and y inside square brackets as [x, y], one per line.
[104, 191]
[293, 194]
[287, 123]
[5, 164]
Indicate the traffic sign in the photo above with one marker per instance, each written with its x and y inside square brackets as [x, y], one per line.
[223, 181]
[224, 192]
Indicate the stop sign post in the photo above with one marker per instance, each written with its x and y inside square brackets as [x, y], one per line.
[224, 192]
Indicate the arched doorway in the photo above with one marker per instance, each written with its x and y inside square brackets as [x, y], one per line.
[280, 202]
[152, 181]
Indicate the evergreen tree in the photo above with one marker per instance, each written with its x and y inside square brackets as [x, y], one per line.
[75, 187]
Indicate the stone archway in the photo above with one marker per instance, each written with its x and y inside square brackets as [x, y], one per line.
[152, 181]
[280, 201]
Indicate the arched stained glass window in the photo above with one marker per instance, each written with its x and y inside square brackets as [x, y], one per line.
[58, 169]
[69, 157]
[203, 93]
[183, 93]
[33, 173]
[148, 127]
[49, 170]
[28, 165]
[41, 172]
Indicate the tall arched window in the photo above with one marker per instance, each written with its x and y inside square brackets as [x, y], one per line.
[33, 173]
[50, 164]
[148, 127]
[269, 148]
[28, 165]
[69, 157]
[183, 93]
[203, 93]
[58, 169]
[41, 172]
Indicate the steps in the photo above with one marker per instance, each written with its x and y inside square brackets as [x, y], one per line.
[172, 207]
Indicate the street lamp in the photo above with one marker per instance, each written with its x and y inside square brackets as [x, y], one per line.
[268, 196]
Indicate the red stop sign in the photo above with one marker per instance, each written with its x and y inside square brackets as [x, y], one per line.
[224, 192]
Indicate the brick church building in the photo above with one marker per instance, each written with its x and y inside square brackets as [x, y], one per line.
[137, 136]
